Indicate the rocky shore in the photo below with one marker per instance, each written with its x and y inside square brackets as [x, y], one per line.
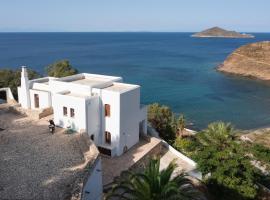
[251, 60]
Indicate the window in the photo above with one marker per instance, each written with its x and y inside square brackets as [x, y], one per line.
[72, 112]
[65, 111]
[107, 137]
[107, 110]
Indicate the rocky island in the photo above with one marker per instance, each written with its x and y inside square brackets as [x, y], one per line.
[219, 32]
[252, 60]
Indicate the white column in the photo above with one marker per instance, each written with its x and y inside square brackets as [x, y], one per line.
[25, 93]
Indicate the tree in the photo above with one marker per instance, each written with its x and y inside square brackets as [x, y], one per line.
[153, 184]
[162, 119]
[181, 125]
[61, 69]
[187, 145]
[218, 133]
[12, 79]
[224, 163]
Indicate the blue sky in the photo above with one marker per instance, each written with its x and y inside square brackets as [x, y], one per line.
[134, 15]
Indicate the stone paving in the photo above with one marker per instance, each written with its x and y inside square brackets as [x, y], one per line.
[35, 164]
[112, 167]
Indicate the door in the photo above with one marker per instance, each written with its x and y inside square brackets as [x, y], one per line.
[36, 97]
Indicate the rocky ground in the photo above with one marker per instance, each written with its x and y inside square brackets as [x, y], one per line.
[35, 164]
[251, 60]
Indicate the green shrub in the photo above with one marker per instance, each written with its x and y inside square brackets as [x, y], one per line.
[61, 69]
[162, 119]
[187, 145]
[12, 79]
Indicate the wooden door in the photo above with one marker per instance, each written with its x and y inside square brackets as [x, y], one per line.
[36, 97]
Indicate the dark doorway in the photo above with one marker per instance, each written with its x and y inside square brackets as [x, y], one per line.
[3, 97]
[105, 151]
[36, 96]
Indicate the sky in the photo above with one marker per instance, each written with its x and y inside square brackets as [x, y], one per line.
[133, 15]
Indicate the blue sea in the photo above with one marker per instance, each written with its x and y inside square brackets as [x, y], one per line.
[172, 68]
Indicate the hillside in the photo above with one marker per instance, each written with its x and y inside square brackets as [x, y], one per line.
[219, 32]
[251, 60]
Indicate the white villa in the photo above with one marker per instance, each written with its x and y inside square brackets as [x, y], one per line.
[104, 107]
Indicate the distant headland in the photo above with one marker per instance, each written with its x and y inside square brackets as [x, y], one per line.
[219, 32]
[252, 60]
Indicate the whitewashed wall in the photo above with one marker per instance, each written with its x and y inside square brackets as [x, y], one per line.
[58, 86]
[93, 188]
[79, 105]
[129, 118]
[93, 118]
[112, 123]
[44, 99]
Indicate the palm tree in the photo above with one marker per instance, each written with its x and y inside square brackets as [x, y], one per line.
[181, 125]
[153, 184]
[216, 133]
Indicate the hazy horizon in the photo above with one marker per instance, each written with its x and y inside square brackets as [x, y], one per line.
[142, 31]
[133, 16]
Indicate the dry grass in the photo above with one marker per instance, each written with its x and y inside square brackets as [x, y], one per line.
[260, 136]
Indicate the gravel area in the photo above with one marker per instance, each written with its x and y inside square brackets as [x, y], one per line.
[35, 164]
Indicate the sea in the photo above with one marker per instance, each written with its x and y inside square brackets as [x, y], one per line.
[173, 69]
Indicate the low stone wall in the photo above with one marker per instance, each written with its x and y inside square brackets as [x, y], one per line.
[33, 114]
[9, 96]
[82, 187]
[144, 161]
[45, 112]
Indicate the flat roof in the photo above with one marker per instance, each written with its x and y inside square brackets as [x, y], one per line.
[81, 95]
[90, 81]
[121, 87]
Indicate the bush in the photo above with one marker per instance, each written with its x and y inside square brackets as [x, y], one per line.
[261, 153]
[12, 79]
[187, 145]
[162, 119]
[231, 174]
[61, 69]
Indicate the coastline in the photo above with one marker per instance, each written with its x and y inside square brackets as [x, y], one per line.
[230, 37]
[247, 76]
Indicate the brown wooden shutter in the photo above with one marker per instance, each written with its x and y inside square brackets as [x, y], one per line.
[107, 110]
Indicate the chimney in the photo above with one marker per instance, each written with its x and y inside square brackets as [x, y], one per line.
[24, 94]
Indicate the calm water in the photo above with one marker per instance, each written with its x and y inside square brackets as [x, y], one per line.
[172, 68]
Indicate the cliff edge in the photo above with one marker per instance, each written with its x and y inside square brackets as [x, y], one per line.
[219, 32]
[252, 60]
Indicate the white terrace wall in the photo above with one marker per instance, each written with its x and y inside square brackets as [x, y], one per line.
[77, 122]
[130, 118]
[44, 99]
[93, 118]
[58, 86]
[9, 95]
[112, 123]
[93, 187]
